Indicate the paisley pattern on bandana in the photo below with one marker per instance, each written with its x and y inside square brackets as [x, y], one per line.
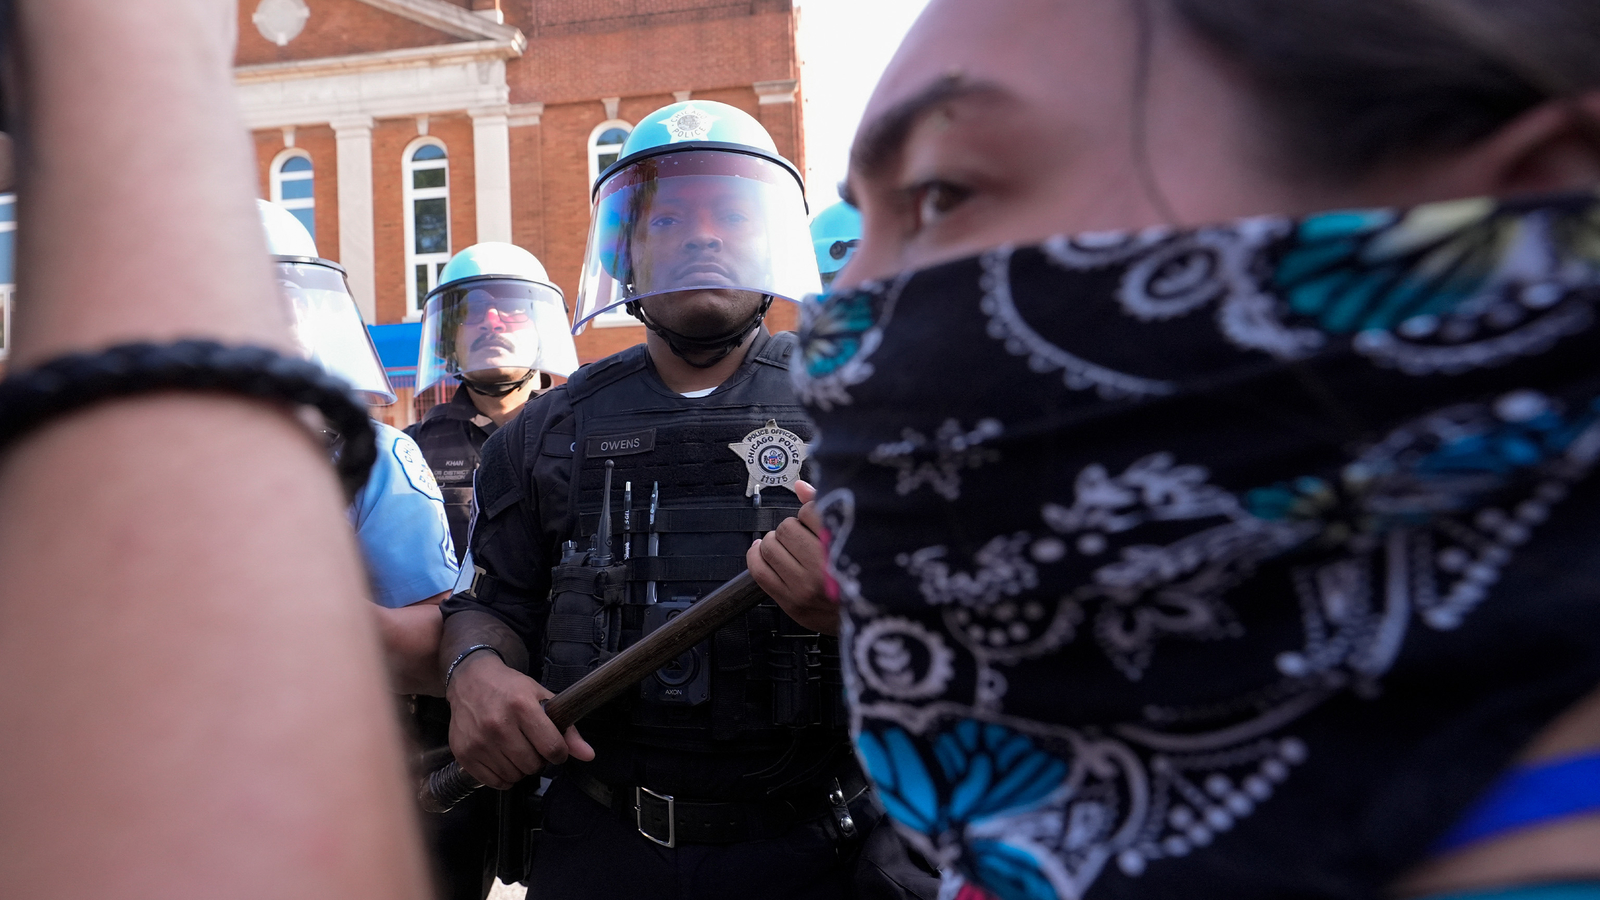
[1124, 523]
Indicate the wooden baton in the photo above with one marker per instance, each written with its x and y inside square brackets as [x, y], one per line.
[443, 788]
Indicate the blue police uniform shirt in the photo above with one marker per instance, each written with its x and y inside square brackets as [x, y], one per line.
[399, 519]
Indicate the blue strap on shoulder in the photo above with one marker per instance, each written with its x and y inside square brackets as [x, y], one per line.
[1529, 795]
[1580, 890]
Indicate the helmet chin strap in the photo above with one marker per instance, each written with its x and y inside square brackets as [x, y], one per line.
[719, 346]
[498, 388]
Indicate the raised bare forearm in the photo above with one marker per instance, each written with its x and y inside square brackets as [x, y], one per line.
[199, 542]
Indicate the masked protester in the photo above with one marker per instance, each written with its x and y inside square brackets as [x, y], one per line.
[728, 773]
[1250, 553]
[835, 234]
[399, 516]
[498, 326]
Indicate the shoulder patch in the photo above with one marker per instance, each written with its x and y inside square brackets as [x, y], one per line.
[416, 468]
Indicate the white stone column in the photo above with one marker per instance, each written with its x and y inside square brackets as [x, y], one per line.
[491, 167]
[353, 136]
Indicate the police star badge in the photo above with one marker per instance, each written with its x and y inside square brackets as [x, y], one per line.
[773, 456]
[689, 124]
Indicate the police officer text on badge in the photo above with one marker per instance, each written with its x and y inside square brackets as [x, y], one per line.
[772, 455]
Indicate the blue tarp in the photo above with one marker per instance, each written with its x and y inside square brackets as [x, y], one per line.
[397, 346]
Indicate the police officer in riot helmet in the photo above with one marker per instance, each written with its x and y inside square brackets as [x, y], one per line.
[727, 773]
[398, 516]
[498, 326]
[835, 235]
[323, 317]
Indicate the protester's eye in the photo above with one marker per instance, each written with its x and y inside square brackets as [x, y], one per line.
[932, 200]
[663, 221]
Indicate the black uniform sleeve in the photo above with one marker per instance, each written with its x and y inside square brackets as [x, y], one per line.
[509, 549]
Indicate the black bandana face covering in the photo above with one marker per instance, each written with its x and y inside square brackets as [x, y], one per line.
[1228, 562]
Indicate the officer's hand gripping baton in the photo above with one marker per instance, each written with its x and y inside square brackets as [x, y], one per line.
[444, 788]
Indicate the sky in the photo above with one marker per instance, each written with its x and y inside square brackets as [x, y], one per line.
[844, 47]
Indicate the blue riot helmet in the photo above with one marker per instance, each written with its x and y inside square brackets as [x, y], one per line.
[327, 325]
[698, 200]
[835, 234]
[494, 321]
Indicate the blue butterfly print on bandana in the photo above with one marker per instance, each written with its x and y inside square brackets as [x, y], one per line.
[1363, 270]
[1008, 872]
[1373, 269]
[1514, 445]
[980, 770]
[1448, 462]
[834, 328]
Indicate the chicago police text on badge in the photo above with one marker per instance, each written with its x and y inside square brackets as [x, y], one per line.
[772, 455]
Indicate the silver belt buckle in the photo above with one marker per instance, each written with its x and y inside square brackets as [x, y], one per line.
[672, 821]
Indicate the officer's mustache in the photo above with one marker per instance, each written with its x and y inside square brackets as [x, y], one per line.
[494, 339]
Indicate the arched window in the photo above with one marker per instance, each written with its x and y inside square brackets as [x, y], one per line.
[292, 187]
[605, 148]
[427, 199]
[605, 145]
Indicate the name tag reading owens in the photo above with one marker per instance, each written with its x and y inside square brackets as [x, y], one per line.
[621, 444]
[773, 457]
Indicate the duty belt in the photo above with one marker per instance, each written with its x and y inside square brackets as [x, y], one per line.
[670, 821]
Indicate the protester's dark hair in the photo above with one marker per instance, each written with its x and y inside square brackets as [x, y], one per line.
[1352, 84]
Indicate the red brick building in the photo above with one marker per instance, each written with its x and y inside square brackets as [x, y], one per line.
[402, 131]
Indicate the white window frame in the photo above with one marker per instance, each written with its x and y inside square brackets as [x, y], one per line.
[434, 261]
[617, 317]
[8, 291]
[596, 148]
[278, 178]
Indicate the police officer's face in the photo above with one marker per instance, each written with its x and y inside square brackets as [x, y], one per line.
[498, 338]
[701, 232]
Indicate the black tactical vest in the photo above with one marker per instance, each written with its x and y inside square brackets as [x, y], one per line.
[451, 435]
[758, 678]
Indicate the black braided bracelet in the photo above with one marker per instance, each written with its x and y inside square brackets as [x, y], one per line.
[68, 383]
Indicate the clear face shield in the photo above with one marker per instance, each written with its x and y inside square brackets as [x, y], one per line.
[692, 221]
[329, 330]
[494, 330]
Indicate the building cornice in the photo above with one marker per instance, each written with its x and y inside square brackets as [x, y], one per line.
[452, 20]
[406, 57]
[398, 91]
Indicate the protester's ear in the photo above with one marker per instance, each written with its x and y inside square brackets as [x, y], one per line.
[1551, 148]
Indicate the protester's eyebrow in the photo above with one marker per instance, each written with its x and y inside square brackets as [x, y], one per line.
[883, 138]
